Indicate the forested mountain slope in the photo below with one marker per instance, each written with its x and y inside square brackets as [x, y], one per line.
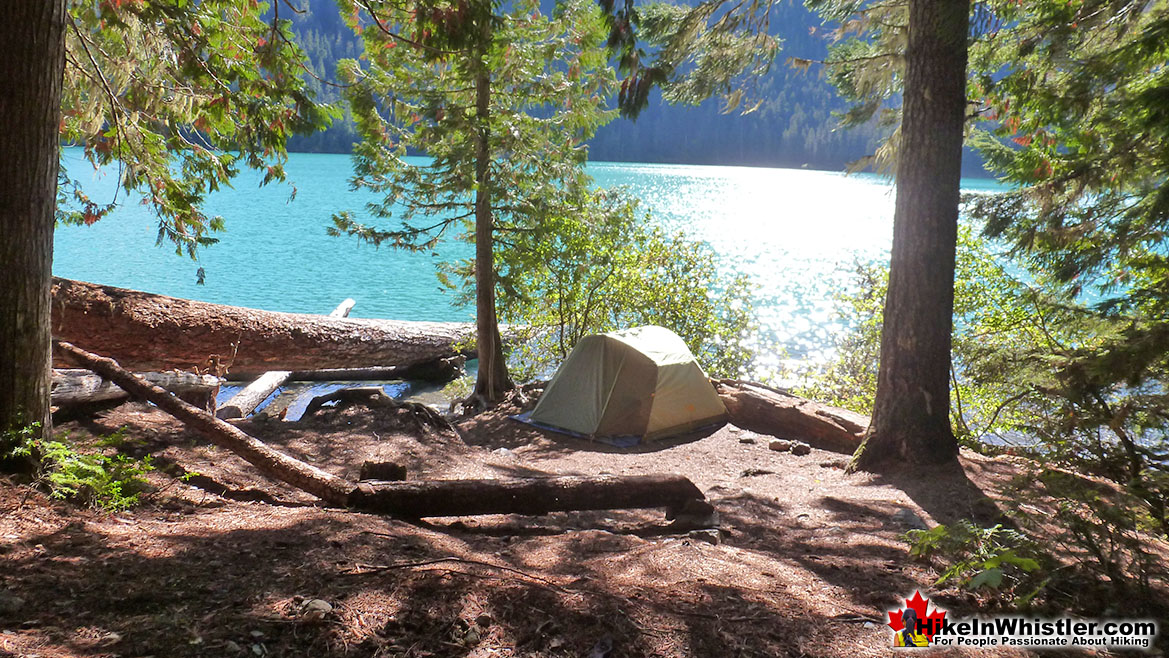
[793, 126]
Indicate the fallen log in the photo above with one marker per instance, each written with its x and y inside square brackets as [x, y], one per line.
[251, 396]
[423, 498]
[153, 332]
[438, 370]
[767, 410]
[410, 499]
[77, 387]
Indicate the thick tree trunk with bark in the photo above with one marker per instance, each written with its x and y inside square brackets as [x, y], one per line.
[32, 57]
[769, 411]
[492, 380]
[911, 419]
[153, 332]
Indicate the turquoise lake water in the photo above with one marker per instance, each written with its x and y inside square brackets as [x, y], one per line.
[797, 234]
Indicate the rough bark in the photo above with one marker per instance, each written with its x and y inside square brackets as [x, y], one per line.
[492, 379]
[424, 498]
[251, 396]
[32, 56]
[72, 387]
[769, 411]
[153, 332]
[911, 420]
[411, 499]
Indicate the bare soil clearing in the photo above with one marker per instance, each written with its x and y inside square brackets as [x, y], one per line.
[229, 564]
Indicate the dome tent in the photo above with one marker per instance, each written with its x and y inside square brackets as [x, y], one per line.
[640, 382]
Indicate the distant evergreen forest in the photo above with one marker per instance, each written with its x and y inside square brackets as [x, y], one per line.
[794, 126]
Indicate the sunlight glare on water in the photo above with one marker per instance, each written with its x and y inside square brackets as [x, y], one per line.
[797, 234]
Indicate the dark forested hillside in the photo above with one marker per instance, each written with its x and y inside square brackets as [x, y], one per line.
[793, 126]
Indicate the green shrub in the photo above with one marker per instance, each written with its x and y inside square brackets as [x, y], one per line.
[109, 482]
[997, 559]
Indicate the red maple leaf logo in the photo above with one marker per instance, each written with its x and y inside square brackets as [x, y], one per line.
[931, 623]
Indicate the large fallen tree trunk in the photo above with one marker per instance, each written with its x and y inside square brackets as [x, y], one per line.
[770, 411]
[412, 499]
[73, 387]
[153, 332]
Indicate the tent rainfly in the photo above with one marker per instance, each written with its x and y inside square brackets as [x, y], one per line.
[640, 382]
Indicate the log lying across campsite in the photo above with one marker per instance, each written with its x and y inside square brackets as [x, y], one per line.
[421, 498]
[770, 411]
[410, 500]
[153, 332]
[74, 387]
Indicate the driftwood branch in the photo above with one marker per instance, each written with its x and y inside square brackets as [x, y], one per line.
[78, 387]
[270, 462]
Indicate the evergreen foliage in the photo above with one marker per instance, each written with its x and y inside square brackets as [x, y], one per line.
[793, 125]
[501, 100]
[180, 95]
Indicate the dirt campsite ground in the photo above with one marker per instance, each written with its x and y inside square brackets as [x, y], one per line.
[228, 563]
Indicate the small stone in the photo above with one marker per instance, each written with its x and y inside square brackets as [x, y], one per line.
[708, 536]
[315, 609]
[484, 620]
[232, 647]
[799, 448]
[869, 624]
[907, 517]
[780, 445]
[502, 452]
[747, 440]
[472, 636]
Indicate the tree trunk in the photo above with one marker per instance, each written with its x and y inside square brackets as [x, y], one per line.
[153, 332]
[82, 387]
[768, 411]
[424, 498]
[413, 499]
[32, 58]
[492, 380]
[911, 419]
